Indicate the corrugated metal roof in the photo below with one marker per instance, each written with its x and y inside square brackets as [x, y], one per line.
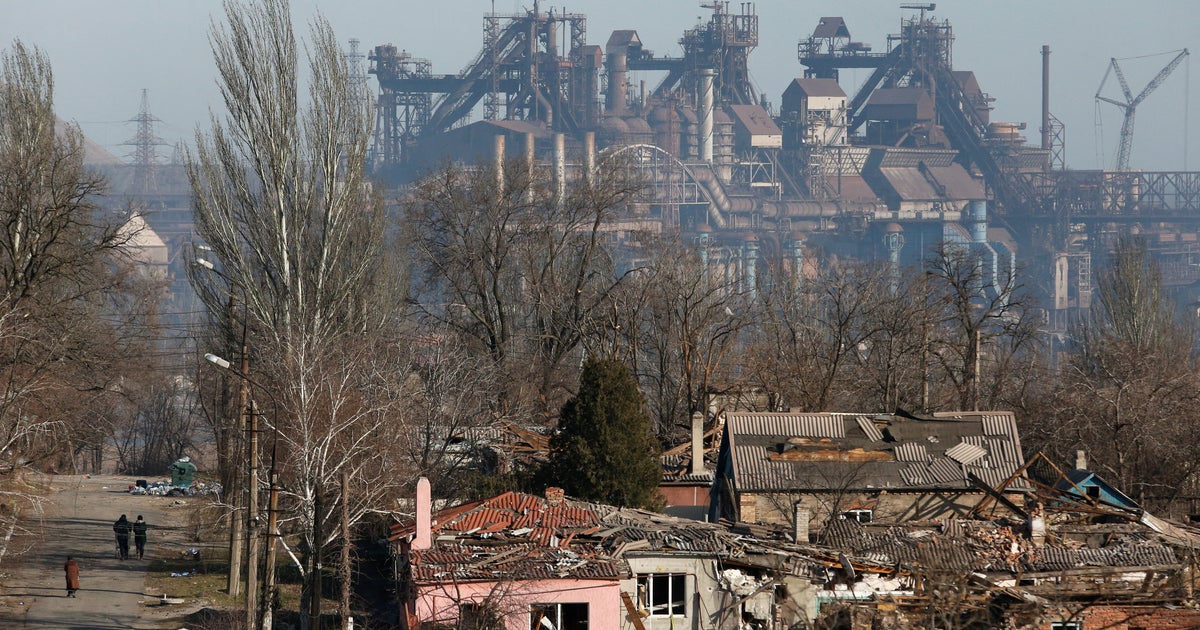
[945, 470]
[789, 425]
[868, 427]
[907, 459]
[965, 452]
[997, 424]
[912, 452]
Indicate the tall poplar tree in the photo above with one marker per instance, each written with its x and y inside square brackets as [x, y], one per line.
[605, 450]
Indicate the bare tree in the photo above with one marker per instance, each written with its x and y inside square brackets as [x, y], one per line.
[520, 270]
[973, 304]
[814, 332]
[69, 315]
[678, 324]
[160, 427]
[1128, 387]
[280, 196]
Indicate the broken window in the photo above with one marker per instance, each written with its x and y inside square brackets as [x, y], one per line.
[477, 616]
[663, 594]
[558, 617]
[859, 515]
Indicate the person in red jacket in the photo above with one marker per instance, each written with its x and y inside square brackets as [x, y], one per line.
[72, 570]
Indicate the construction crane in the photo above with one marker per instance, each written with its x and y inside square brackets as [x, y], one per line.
[1131, 102]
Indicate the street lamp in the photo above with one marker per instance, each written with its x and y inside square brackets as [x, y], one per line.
[234, 577]
[252, 602]
[249, 422]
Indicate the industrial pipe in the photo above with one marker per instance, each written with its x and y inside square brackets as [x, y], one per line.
[706, 115]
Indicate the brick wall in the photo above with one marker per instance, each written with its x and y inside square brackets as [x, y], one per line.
[1134, 618]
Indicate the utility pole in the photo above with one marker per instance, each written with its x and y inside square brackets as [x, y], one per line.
[236, 543]
[268, 592]
[252, 537]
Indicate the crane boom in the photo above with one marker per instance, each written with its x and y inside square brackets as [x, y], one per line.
[1131, 101]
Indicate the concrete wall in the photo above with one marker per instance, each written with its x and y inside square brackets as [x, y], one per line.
[703, 596]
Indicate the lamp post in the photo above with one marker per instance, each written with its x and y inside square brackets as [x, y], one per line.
[252, 601]
[237, 535]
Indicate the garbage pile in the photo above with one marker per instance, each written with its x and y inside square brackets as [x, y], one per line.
[165, 489]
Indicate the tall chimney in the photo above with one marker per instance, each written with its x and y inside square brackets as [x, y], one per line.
[618, 64]
[1046, 97]
[698, 443]
[424, 538]
[1080, 460]
[706, 115]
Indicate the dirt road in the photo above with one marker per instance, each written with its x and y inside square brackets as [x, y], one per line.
[78, 523]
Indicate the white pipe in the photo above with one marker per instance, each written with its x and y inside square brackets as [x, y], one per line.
[560, 169]
[589, 158]
[706, 115]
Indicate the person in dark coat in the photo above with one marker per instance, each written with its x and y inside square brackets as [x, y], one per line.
[72, 570]
[122, 528]
[139, 536]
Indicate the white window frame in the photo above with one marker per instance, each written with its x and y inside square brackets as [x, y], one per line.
[857, 515]
[1066, 625]
[650, 587]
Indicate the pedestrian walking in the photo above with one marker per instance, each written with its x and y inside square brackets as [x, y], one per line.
[121, 528]
[72, 570]
[139, 536]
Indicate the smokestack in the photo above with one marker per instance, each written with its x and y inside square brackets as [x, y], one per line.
[706, 115]
[560, 169]
[617, 70]
[424, 538]
[1080, 460]
[589, 158]
[1046, 97]
[697, 443]
[498, 151]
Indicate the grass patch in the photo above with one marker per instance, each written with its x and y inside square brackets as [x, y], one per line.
[205, 579]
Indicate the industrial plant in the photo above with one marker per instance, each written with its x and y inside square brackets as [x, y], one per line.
[912, 159]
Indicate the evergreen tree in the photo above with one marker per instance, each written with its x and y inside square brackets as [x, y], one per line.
[604, 450]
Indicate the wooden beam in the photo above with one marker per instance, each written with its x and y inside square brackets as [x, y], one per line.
[633, 611]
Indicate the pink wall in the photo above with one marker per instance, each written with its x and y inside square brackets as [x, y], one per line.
[440, 603]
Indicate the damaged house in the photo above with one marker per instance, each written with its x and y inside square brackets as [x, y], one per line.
[1071, 562]
[804, 469]
[520, 561]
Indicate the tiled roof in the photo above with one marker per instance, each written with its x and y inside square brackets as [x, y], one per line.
[774, 452]
[521, 536]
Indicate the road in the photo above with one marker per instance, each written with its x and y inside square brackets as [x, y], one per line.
[78, 522]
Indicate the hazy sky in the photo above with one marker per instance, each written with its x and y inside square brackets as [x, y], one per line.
[104, 52]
